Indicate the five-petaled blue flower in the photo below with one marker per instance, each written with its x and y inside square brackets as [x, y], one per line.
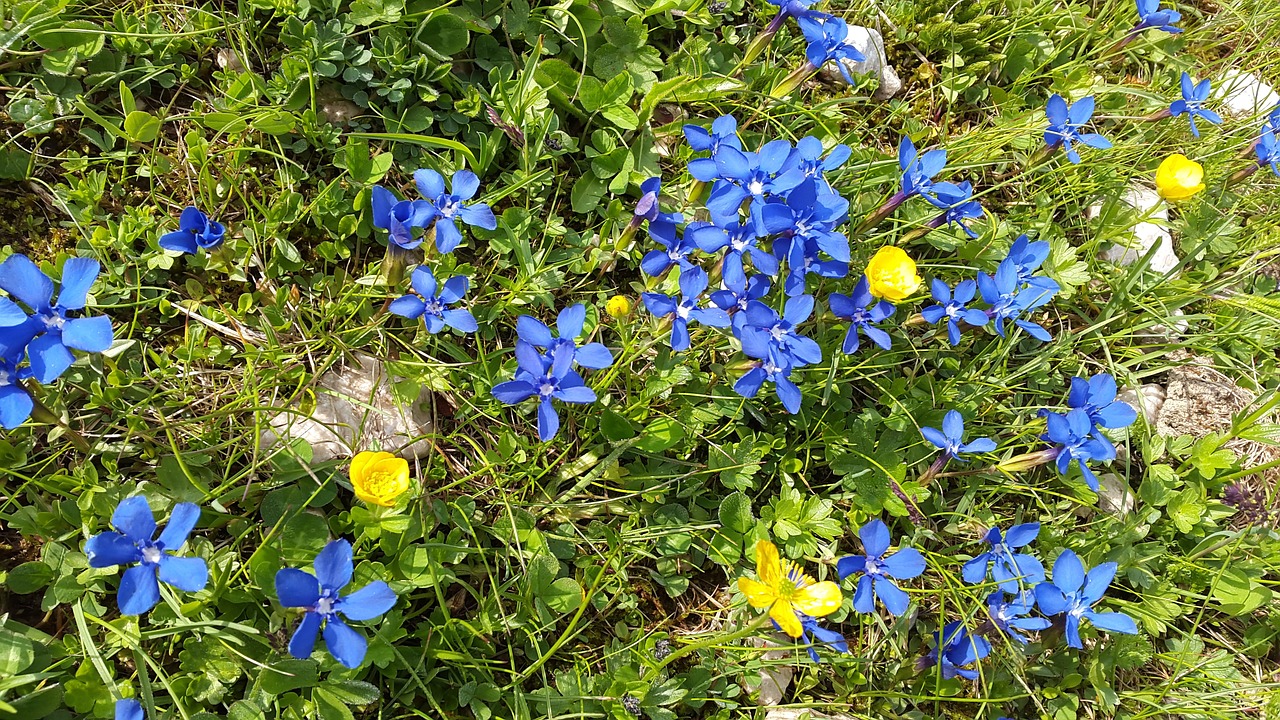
[15, 403]
[953, 307]
[1151, 16]
[802, 260]
[319, 595]
[955, 649]
[740, 176]
[1027, 257]
[400, 217]
[195, 231]
[957, 205]
[129, 709]
[451, 207]
[50, 353]
[765, 331]
[950, 439]
[807, 156]
[1011, 570]
[1065, 124]
[737, 240]
[594, 356]
[434, 308]
[830, 638]
[1192, 102]
[736, 296]
[693, 282]
[1010, 615]
[810, 216]
[826, 36]
[546, 378]
[134, 541]
[775, 368]
[918, 170]
[1073, 434]
[676, 247]
[1097, 396]
[863, 311]
[1074, 593]
[880, 570]
[1008, 300]
[723, 133]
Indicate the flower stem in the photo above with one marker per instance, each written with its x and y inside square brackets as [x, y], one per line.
[1241, 175]
[746, 631]
[41, 413]
[760, 42]
[881, 213]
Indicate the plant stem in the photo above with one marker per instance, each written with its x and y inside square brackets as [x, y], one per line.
[41, 413]
[749, 629]
[881, 213]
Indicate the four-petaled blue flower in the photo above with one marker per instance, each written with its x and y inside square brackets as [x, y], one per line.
[195, 231]
[1010, 615]
[775, 368]
[693, 283]
[1151, 16]
[826, 36]
[863, 311]
[129, 709]
[545, 378]
[1074, 593]
[400, 217]
[134, 541]
[50, 352]
[952, 307]
[15, 403]
[950, 439]
[957, 205]
[1192, 103]
[451, 207]
[1012, 571]
[880, 570]
[1065, 124]
[594, 356]
[320, 596]
[955, 649]
[1073, 434]
[434, 308]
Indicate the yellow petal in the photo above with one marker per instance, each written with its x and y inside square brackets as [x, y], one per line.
[819, 600]
[361, 462]
[768, 568]
[758, 594]
[785, 616]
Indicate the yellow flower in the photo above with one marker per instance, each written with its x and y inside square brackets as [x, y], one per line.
[618, 306]
[1178, 178]
[379, 477]
[891, 274]
[786, 590]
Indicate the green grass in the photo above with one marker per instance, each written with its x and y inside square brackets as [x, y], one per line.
[537, 579]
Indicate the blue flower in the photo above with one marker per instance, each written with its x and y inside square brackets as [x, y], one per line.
[1009, 615]
[400, 217]
[957, 204]
[1012, 571]
[50, 353]
[195, 231]
[918, 170]
[765, 331]
[1151, 16]
[676, 247]
[955, 649]
[1008, 300]
[129, 710]
[880, 570]
[807, 156]
[951, 438]
[830, 638]
[862, 311]
[1074, 593]
[775, 368]
[15, 403]
[810, 216]
[737, 240]
[134, 541]
[1073, 434]
[1192, 102]
[1097, 397]
[647, 208]
[320, 595]
[736, 296]
[1065, 124]
[723, 133]
[826, 36]
[1268, 151]
[953, 307]
[451, 207]
[741, 176]
[434, 308]
[1027, 257]
[802, 260]
[594, 356]
[693, 283]
[546, 378]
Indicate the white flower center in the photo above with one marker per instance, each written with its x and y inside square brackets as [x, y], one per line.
[151, 554]
[324, 606]
[755, 187]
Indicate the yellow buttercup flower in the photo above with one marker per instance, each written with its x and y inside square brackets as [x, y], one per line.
[891, 274]
[785, 590]
[379, 478]
[1179, 178]
[618, 306]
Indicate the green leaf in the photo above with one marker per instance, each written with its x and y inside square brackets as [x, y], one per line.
[17, 652]
[1240, 594]
[329, 706]
[29, 577]
[735, 513]
[564, 595]
[352, 692]
[660, 435]
[141, 127]
[615, 427]
[446, 34]
[285, 675]
[1186, 509]
[586, 194]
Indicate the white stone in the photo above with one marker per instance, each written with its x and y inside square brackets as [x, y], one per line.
[1147, 400]
[1145, 234]
[356, 410]
[1114, 495]
[774, 678]
[1243, 93]
[870, 44]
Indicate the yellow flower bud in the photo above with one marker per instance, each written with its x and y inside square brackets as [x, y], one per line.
[618, 306]
[379, 478]
[1178, 178]
[891, 274]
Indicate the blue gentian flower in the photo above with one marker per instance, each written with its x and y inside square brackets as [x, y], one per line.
[50, 353]
[1073, 435]
[535, 377]
[953, 307]
[807, 156]
[320, 595]
[1009, 615]
[950, 439]
[918, 170]
[826, 36]
[400, 217]
[880, 570]
[129, 709]
[1151, 16]
[15, 403]
[957, 205]
[1027, 257]
[450, 207]
[766, 330]
[1074, 593]
[862, 311]
[1065, 124]
[737, 240]
[830, 638]
[723, 133]
[1012, 571]
[810, 216]
[802, 260]
[594, 356]
[676, 247]
[1097, 397]
[1272, 124]
[195, 231]
[134, 541]
[735, 297]
[741, 176]
[693, 283]
[647, 208]
[955, 649]
[1268, 151]
[1008, 300]
[775, 368]
[434, 308]
[1192, 103]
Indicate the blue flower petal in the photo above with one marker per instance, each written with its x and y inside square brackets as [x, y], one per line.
[368, 602]
[111, 548]
[303, 642]
[133, 518]
[185, 573]
[347, 646]
[139, 590]
[91, 334]
[181, 521]
[297, 588]
[334, 566]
